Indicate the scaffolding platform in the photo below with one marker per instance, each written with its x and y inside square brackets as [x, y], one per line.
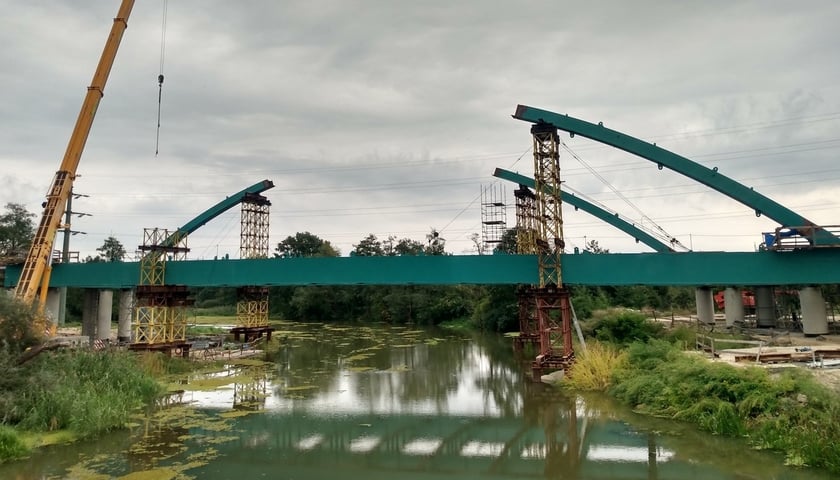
[251, 333]
[172, 349]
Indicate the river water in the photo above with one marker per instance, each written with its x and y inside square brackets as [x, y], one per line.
[382, 402]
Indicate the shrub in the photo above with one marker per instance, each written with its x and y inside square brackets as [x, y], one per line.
[11, 446]
[625, 327]
[789, 412]
[17, 324]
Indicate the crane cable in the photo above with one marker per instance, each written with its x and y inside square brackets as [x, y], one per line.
[160, 74]
[662, 233]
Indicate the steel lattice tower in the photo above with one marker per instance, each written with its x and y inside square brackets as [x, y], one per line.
[549, 214]
[160, 319]
[526, 236]
[526, 219]
[551, 298]
[252, 303]
[253, 240]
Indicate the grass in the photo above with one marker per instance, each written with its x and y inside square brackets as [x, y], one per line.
[789, 412]
[11, 445]
[82, 391]
[593, 368]
[214, 319]
[220, 311]
[195, 330]
[458, 325]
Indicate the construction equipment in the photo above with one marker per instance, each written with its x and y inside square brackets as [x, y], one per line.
[35, 276]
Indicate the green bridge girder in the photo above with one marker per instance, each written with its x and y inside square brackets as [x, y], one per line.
[592, 209]
[215, 211]
[800, 267]
[664, 158]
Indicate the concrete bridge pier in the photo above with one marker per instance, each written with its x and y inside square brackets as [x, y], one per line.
[733, 306]
[89, 312]
[105, 307]
[53, 305]
[765, 307]
[814, 320]
[705, 305]
[124, 318]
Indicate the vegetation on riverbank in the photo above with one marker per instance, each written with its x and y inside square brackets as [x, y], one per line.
[82, 391]
[786, 411]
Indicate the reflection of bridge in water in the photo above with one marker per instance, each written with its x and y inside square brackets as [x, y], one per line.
[559, 441]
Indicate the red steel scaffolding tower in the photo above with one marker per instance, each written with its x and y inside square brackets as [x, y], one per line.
[551, 298]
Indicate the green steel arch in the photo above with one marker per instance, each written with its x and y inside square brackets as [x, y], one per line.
[664, 158]
[216, 210]
[577, 202]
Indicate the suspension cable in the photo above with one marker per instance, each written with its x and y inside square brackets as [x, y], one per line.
[670, 238]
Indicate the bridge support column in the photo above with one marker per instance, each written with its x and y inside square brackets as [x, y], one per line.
[124, 318]
[529, 331]
[705, 305]
[733, 306]
[106, 305]
[765, 307]
[814, 320]
[53, 306]
[89, 310]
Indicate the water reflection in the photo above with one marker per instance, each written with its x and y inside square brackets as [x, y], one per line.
[380, 402]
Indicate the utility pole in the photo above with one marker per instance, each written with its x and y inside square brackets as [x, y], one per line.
[65, 252]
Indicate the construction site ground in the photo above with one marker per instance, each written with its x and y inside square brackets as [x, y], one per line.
[780, 348]
[218, 352]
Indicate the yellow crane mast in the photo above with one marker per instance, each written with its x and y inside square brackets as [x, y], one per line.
[36, 269]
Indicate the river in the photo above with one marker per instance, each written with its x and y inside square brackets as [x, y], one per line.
[384, 402]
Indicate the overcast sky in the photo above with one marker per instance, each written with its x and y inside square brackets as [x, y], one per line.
[389, 117]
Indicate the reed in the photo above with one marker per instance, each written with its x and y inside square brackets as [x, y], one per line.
[594, 367]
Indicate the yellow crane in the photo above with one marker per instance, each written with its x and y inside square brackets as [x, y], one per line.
[35, 276]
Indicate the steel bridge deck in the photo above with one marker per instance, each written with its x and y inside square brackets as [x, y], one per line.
[802, 267]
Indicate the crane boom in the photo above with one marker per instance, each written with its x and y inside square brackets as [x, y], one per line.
[36, 268]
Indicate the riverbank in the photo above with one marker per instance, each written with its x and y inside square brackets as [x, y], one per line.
[785, 409]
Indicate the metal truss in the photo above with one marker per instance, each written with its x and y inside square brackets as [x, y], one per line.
[253, 242]
[549, 214]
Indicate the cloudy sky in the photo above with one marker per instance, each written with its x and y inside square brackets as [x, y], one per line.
[389, 117]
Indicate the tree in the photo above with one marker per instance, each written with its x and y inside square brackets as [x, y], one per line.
[478, 245]
[593, 247]
[407, 246]
[305, 244]
[369, 246]
[389, 246]
[435, 243]
[16, 231]
[509, 242]
[112, 250]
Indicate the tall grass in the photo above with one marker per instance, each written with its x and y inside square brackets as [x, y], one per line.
[594, 367]
[11, 445]
[83, 391]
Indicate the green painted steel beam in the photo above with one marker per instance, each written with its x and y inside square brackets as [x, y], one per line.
[592, 209]
[215, 211]
[802, 267]
[663, 158]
